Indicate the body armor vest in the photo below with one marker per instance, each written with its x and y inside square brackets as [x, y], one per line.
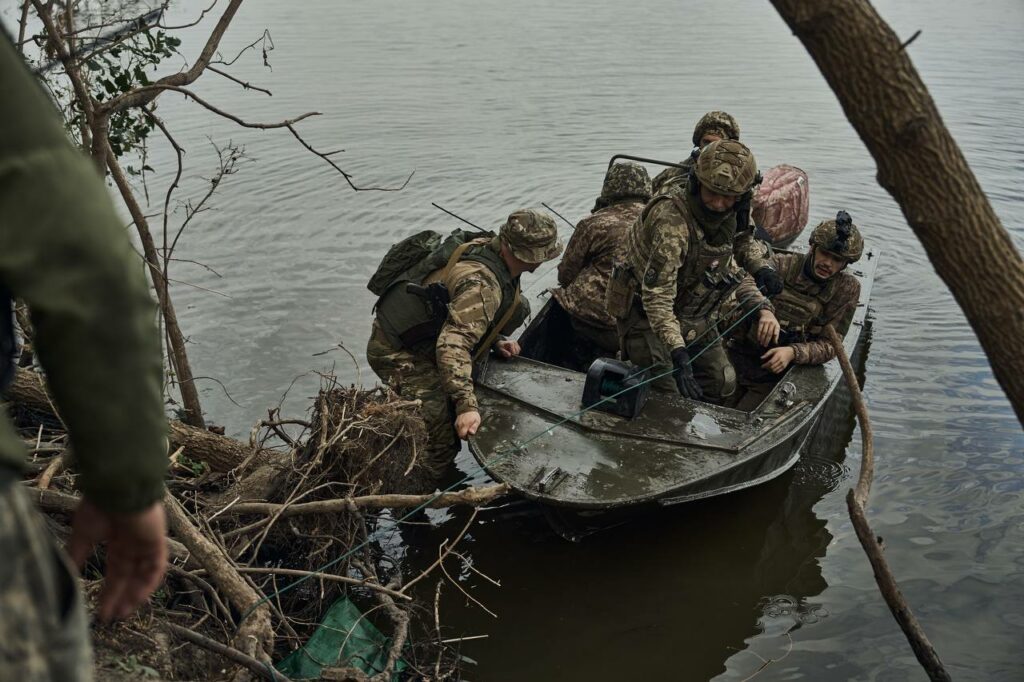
[800, 306]
[408, 320]
[707, 275]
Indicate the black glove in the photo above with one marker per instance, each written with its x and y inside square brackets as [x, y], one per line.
[683, 375]
[769, 281]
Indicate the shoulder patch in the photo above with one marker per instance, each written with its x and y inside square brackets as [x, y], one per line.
[651, 276]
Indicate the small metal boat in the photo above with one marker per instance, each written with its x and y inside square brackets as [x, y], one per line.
[537, 438]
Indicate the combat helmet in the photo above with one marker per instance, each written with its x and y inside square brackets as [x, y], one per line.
[626, 180]
[531, 236]
[839, 236]
[718, 123]
[727, 167]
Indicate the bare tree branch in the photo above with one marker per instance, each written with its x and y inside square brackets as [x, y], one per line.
[142, 96]
[247, 86]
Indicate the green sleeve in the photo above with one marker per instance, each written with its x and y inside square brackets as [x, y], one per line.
[64, 251]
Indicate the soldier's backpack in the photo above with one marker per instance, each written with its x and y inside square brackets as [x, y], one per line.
[415, 257]
[402, 257]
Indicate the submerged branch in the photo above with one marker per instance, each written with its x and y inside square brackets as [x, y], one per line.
[872, 544]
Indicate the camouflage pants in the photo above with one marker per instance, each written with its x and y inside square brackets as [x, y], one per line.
[711, 365]
[604, 341]
[417, 378]
[43, 633]
[755, 382]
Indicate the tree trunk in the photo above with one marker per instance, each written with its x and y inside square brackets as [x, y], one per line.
[922, 167]
[220, 452]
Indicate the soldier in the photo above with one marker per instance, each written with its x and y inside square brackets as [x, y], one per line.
[751, 253]
[598, 242]
[64, 251]
[434, 362]
[817, 292]
[678, 271]
[712, 126]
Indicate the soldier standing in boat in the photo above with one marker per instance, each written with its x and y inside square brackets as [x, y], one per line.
[596, 244]
[679, 269]
[751, 253]
[818, 291]
[427, 354]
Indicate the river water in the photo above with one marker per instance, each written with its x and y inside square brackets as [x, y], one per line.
[498, 105]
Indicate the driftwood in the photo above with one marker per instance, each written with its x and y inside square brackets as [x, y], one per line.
[255, 636]
[856, 499]
[220, 452]
[467, 496]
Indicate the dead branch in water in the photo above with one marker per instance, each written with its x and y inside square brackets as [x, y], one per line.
[856, 499]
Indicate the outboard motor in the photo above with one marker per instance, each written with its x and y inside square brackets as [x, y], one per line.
[606, 378]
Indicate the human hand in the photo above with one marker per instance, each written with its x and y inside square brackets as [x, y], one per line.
[508, 348]
[769, 281]
[768, 328]
[683, 375]
[136, 553]
[467, 423]
[778, 359]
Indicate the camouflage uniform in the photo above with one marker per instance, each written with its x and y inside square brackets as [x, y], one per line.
[441, 373]
[806, 305]
[64, 251]
[39, 597]
[680, 260]
[714, 122]
[597, 243]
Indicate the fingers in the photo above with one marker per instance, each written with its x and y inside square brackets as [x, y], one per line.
[466, 424]
[774, 361]
[136, 560]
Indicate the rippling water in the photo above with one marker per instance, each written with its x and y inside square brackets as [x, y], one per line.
[496, 105]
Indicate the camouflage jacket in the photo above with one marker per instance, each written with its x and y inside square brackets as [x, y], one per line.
[842, 293]
[751, 253]
[657, 249]
[598, 242]
[475, 299]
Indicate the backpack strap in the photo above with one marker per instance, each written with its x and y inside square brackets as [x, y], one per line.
[489, 340]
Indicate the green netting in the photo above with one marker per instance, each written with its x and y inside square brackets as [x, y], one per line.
[344, 639]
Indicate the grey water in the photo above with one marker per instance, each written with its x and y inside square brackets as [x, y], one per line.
[497, 105]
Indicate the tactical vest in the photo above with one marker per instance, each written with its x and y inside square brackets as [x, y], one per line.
[408, 320]
[801, 305]
[707, 275]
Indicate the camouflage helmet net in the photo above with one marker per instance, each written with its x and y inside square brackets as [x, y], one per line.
[624, 180]
[727, 167]
[839, 236]
[717, 123]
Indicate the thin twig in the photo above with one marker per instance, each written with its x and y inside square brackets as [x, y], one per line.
[247, 86]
